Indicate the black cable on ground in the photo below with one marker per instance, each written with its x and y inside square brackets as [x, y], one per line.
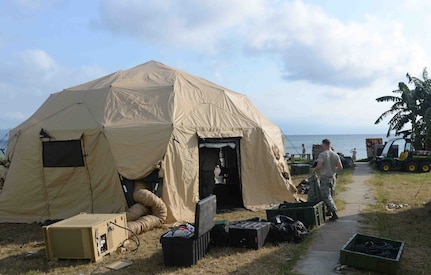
[137, 242]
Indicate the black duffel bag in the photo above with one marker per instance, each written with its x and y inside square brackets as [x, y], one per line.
[284, 228]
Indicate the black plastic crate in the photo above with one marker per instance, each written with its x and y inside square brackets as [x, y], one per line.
[248, 234]
[181, 251]
[309, 213]
[220, 233]
[372, 253]
[184, 251]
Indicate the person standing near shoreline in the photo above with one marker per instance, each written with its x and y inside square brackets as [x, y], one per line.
[354, 152]
[304, 150]
[328, 162]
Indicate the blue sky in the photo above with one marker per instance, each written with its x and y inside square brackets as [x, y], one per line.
[311, 67]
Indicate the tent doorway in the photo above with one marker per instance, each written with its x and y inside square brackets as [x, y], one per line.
[220, 171]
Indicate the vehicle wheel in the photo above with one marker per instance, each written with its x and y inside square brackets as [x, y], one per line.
[385, 166]
[425, 167]
[412, 166]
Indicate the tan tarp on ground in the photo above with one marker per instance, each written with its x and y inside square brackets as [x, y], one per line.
[130, 122]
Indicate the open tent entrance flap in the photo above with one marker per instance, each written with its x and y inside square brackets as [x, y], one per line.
[220, 171]
[150, 182]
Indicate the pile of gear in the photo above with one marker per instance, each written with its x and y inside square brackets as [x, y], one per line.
[381, 249]
[282, 229]
[182, 231]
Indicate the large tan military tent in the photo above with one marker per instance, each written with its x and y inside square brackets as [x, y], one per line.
[73, 153]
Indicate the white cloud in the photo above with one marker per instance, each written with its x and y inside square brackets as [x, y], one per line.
[29, 77]
[35, 71]
[199, 25]
[31, 72]
[311, 45]
[324, 50]
[294, 59]
[14, 116]
[39, 64]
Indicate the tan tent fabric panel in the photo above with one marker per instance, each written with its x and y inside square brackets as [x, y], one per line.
[258, 193]
[130, 123]
[141, 152]
[23, 198]
[61, 181]
[181, 167]
[142, 106]
[220, 134]
[104, 178]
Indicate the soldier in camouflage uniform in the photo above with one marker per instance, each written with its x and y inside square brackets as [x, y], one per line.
[328, 163]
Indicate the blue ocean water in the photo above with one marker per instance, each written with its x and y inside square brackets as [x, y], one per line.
[341, 143]
[3, 141]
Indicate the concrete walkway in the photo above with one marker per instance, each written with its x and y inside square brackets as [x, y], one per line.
[324, 252]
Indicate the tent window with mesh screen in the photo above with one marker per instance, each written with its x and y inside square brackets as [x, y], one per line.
[64, 153]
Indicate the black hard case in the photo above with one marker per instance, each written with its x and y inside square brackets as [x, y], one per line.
[179, 251]
[249, 234]
[220, 233]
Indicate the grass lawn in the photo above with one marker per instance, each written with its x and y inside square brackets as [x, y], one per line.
[23, 252]
[410, 223]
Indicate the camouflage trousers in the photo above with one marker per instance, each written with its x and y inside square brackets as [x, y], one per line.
[314, 191]
[327, 191]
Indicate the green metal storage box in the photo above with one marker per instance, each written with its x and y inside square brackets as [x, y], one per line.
[309, 213]
[372, 253]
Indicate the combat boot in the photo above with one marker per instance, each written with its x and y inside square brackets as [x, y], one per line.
[334, 216]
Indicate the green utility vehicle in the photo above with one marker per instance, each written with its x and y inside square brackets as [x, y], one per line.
[408, 160]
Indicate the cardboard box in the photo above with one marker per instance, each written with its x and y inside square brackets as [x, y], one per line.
[182, 251]
[372, 253]
[309, 213]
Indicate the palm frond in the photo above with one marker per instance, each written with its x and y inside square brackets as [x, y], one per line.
[425, 74]
[409, 106]
[388, 98]
[384, 115]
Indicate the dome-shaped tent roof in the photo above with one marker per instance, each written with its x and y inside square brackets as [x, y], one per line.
[129, 123]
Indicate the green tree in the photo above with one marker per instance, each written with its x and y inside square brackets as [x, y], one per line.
[422, 131]
[404, 109]
[410, 107]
